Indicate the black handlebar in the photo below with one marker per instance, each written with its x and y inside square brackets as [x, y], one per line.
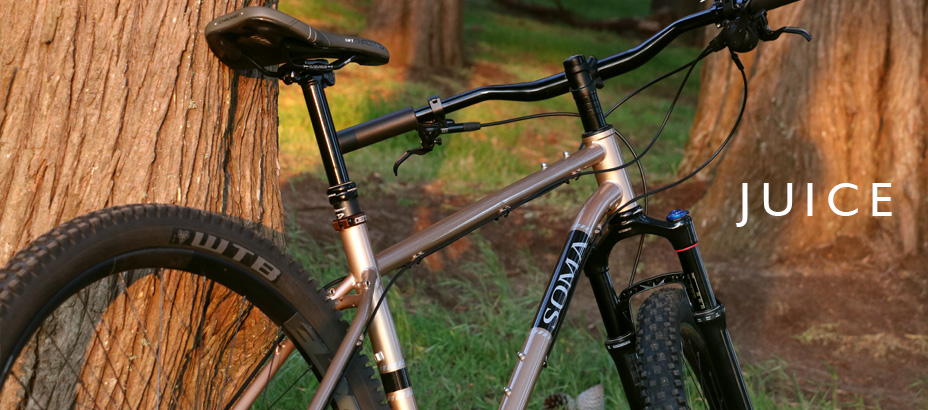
[377, 130]
[407, 119]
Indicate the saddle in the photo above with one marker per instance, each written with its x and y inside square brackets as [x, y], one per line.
[262, 37]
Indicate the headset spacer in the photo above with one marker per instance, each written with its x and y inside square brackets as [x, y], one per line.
[349, 221]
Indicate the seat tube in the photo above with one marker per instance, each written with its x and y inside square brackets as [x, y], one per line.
[384, 341]
[351, 224]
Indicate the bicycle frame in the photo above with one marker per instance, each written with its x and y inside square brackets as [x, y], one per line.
[600, 152]
[598, 226]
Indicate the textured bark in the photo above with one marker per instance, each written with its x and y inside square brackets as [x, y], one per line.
[105, 103]
[846, 108]
[421, 34]
[113, 102]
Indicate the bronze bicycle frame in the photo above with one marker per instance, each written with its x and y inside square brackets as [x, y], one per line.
[597, 227]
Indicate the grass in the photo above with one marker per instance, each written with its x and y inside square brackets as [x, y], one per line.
[461, 354]
[464, 353]
[772, 386]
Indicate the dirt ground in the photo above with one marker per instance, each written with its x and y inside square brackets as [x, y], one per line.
[850, 330]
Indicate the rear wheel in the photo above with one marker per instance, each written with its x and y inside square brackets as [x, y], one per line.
[156, 306]
[676, 372]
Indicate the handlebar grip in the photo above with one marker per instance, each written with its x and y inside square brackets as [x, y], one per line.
[378, 129]
[768, 4]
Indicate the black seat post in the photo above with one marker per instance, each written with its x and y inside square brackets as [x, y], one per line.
[324, 128]
[342, 192]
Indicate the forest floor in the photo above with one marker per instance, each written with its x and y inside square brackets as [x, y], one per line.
[834, 325]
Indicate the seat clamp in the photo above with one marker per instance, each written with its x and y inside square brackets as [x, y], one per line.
[349, 221]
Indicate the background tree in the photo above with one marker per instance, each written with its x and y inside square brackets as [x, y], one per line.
[667, 11]
[113, 102]
[423, 34]
[846, 108]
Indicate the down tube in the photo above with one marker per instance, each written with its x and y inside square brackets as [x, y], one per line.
[553, 307]
[491, 207]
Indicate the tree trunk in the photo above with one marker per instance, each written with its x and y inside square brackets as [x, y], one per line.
[846, 108]
[114, 102]
[420, 34]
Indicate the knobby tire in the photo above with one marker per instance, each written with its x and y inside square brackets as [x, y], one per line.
[159, 306]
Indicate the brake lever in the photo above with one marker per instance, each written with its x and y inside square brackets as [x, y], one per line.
[767, 35]
[428, 135]
[422, 150]
[428, 139]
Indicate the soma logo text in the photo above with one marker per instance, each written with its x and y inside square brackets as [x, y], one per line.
[566, 277]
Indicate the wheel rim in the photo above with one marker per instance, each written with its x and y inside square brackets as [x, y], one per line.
[96, 367]
[143, 339]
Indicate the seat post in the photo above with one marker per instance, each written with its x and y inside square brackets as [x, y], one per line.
[324, 128]
[342, 193]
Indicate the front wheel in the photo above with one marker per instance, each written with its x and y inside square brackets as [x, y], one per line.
[157, 306]
[676, 369]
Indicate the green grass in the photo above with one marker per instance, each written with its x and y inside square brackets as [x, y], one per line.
[462, 351]
[772, 386]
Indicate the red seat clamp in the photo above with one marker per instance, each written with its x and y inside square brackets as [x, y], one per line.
[349, 221]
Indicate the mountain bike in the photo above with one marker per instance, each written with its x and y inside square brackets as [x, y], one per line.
[148, 305]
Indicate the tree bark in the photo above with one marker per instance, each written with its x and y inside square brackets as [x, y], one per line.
[113, 102]
[846, 108]
[420, 34]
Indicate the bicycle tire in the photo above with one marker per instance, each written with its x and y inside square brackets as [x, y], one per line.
[676, 372]
[117, 266]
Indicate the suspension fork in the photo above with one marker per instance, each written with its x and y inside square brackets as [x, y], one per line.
[709, 313]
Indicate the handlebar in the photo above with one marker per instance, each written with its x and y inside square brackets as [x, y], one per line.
[407, 119]
[377, 130]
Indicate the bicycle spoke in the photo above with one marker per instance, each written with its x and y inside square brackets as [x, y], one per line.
[27, 391]
[265, 363]
[160, 344]
[238, 326]
[287, 390]
[76, 373]
[104, 343]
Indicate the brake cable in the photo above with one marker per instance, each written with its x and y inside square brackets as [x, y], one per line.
[637, 157]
